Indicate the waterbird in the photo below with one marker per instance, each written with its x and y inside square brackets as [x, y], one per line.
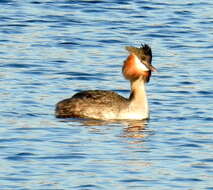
[108, 105]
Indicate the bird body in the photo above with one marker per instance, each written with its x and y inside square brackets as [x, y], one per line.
[108, 105]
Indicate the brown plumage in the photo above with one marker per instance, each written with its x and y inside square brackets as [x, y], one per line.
[79, 105]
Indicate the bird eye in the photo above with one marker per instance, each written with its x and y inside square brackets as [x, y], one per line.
[143, 58]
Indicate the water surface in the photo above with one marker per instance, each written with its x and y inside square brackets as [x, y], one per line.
[52, 49]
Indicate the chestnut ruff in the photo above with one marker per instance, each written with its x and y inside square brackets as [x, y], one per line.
[131, 70]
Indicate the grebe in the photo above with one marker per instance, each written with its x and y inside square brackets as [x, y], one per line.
[108, 105]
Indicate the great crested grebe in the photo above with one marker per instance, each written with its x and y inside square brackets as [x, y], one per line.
[108, 105]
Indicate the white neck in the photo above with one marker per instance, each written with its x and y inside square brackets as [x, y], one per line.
[138, 99]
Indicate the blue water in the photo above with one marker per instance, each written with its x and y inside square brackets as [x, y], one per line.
[52, 49]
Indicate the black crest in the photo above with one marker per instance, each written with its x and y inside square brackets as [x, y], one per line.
[146, 49]
[144, 52]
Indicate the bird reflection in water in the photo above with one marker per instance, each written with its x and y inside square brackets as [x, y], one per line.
[132, 128]
[136, 129]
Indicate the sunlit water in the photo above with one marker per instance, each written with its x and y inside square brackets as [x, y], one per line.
[52, 49]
